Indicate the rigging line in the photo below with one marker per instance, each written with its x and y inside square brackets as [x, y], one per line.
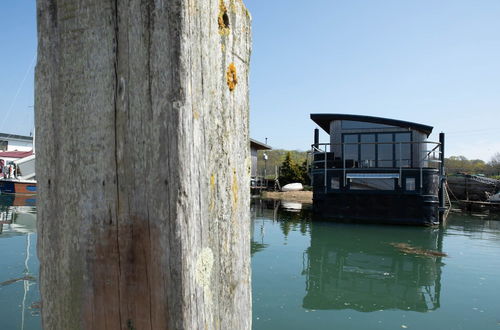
[18, 91]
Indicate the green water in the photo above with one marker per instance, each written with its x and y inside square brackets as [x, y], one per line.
[319, 275]
[19, 295]
[323, 275]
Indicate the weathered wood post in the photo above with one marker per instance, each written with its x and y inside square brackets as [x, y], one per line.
[143, 164]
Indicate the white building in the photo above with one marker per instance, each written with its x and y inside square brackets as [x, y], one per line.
[13, 142]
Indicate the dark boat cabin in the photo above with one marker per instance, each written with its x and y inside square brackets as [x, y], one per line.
[377, 169]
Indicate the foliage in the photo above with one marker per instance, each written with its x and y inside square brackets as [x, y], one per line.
[306, 180]
[275, 159]
[290, 171]
[495, 161]
[460, 164]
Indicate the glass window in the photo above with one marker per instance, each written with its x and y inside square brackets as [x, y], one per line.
[351, 150]
[410, 184]
[372, 184]
[335, 183]
[385, 150]
[403, 150]
[367, 150]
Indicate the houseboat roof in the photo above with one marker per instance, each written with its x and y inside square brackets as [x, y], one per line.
[254, 144]
[324, 120]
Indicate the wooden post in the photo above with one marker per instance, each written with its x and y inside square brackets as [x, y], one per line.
[143, 164]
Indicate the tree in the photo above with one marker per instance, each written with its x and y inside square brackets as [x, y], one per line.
[495, 164]
[290, 171]
[306, 180]
[495, 160]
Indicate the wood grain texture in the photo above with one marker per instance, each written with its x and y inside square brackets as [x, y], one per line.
[143, 164]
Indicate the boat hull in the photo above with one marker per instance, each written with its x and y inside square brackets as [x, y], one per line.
[18, 187]
[468, 187]
[395, 209]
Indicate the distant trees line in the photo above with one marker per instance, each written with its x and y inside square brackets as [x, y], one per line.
[293, 165]
[460, 164]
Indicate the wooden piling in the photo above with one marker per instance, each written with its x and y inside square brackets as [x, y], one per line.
[143, 164]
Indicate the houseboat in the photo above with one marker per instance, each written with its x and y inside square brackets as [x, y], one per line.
[377, 170]
[17, 173]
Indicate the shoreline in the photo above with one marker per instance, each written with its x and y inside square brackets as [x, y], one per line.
[291, 196]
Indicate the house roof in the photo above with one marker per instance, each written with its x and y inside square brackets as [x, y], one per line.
[254, 144]
[15, 154]
[324, 119]
[16, 137]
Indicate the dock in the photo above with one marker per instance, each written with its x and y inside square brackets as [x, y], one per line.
[470, 206]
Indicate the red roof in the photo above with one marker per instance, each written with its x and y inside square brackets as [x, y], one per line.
[15, 154]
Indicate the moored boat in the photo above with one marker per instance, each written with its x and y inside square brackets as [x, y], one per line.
[472, 187]
[377, 170]
[18, 175]
[17, 186]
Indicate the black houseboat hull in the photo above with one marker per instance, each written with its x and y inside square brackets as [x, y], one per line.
[395, 209]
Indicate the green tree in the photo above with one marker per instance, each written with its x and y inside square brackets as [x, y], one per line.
[290, 171]
[306, 180]
[494, 164]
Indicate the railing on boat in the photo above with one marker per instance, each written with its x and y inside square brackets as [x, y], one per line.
[431, 156]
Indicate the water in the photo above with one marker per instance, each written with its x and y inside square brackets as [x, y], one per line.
[19, 294]
[318, 275]
[324, 275]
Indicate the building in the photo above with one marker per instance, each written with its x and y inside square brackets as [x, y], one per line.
[13, 142]
[377, 169]
[255, 146]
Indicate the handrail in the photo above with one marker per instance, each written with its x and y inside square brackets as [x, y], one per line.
[394, 142]
[428, 158]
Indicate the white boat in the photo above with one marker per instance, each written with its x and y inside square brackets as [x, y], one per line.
[494, 198]
[293, 187]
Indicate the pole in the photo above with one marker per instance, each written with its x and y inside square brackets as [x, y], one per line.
[142, 158]
[442, 178]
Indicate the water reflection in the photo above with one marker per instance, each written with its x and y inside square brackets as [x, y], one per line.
[19, 296]
[361, 267]
[358, 267]
[17, 215]
[290, 216]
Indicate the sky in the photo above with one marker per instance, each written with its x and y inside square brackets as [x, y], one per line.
[431, 62]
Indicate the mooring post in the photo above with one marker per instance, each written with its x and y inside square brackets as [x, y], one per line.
[143, 164]
[442, 179]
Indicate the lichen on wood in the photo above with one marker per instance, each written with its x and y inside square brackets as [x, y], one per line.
[231, 77]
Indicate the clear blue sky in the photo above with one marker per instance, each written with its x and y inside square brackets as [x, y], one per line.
[433, 62]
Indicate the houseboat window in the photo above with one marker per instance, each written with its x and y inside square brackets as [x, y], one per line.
[350, 124]
[335, 183]
[351, 150]
[410, 184]
[4, 145]
[385, 151]
[367, 150]
[372, 184]
[403, 150]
